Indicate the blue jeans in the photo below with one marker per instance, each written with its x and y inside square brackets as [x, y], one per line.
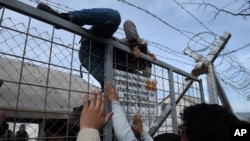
[104, 23]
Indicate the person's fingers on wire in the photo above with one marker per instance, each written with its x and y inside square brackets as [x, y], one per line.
[108, 117]
[85, 102]
[93, 98]
[102, 104]
[99, 100]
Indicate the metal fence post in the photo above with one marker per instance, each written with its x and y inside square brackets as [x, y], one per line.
[172, 101]
[109, 78]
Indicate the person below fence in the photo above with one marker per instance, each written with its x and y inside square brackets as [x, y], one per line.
[5, 133]
[123, 131]
[104, 23]
[167, 137]
[208, 122]
[94, 119]
[59, 130]
[2, 118]
[22, 134]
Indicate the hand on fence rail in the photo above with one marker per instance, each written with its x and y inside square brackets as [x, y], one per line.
[93, 117]
[122, 128]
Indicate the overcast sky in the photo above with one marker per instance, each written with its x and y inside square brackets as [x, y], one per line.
[173, 25]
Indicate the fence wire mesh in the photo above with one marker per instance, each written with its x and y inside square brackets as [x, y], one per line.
[43, 82]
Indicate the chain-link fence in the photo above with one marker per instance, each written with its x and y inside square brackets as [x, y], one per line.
[43, 82]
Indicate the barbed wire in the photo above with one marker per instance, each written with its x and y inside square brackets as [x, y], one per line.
[175, 60]
[169, 50]
[236, 75]
[171, 26]
[182, 7]
[243, 10]
[58, 6]
[162, 47]
[157, 45]
[183, 32]
[236, 50]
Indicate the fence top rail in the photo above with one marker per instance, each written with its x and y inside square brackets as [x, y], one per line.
[25, 9]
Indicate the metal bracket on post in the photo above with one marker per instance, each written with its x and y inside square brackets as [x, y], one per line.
[221, 43]
[196, 56]
[204, 64]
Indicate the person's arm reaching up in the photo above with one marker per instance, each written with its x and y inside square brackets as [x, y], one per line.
[122, 128]
[93, 117]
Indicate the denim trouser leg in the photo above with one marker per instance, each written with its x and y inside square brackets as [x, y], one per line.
[92, 55]
[104, 21]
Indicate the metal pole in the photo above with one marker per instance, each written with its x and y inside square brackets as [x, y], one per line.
[172, 101]
[201, 91]
[109, 77]
[211, 86]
